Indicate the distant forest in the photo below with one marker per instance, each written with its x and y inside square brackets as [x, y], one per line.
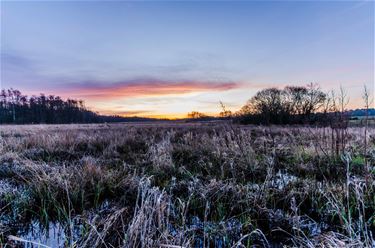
[16, 108]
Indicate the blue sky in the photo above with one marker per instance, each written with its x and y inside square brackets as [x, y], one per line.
[168, 58]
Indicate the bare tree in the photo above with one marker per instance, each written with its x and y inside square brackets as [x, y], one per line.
[268, 103]
[225, 112]
[339, 122]
[367, 101]
[343, 100]
[296, 96]
[293, 104]
[314, 99]
[196, 115]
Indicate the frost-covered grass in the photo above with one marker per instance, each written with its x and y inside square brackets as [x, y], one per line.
[189, 185]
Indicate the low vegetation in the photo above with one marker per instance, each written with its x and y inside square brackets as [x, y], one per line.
[186, 185]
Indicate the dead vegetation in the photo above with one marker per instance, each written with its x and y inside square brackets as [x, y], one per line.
[188, 185]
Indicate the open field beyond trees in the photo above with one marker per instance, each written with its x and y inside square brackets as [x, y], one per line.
[186, 185]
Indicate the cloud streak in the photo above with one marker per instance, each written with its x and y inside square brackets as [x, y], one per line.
[144, 88]
[132, 112]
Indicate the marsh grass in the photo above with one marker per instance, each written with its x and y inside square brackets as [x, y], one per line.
[189, 185]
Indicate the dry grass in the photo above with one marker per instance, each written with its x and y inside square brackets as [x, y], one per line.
[188, 185]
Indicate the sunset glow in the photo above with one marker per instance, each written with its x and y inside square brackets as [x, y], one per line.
[165, 59]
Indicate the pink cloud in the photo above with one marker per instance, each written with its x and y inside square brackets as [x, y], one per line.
[141, 88]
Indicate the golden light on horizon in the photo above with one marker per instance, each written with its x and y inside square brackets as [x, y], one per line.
[176, 104]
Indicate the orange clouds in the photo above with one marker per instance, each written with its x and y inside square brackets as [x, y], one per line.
[147, 88]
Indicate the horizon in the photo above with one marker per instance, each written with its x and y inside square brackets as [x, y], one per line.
[165, 59]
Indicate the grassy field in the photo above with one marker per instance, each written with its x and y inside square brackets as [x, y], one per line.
[186, 185]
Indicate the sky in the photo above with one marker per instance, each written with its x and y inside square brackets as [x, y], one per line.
[167, 58]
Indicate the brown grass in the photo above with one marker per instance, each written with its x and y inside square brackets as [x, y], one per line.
[184, 185]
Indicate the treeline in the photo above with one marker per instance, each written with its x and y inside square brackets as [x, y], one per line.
[300, 105]
[20, 109]
[16, 108]
[294, 105]
[291, 105]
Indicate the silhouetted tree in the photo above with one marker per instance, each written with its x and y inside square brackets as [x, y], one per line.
[196, 115]
[225, 113]
[293, 104]
[16, 108]
[19, 109]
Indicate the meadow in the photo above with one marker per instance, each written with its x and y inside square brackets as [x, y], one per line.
[186, 185]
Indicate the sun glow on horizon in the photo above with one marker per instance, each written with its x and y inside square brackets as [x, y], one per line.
[168, 59]
[177, 105]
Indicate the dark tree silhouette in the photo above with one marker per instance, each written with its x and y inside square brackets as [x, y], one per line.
[16, 108]
[196, 115]
[291, 105]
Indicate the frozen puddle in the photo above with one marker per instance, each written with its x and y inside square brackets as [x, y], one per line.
[282, 179]
[37, 236]
[53, 235]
